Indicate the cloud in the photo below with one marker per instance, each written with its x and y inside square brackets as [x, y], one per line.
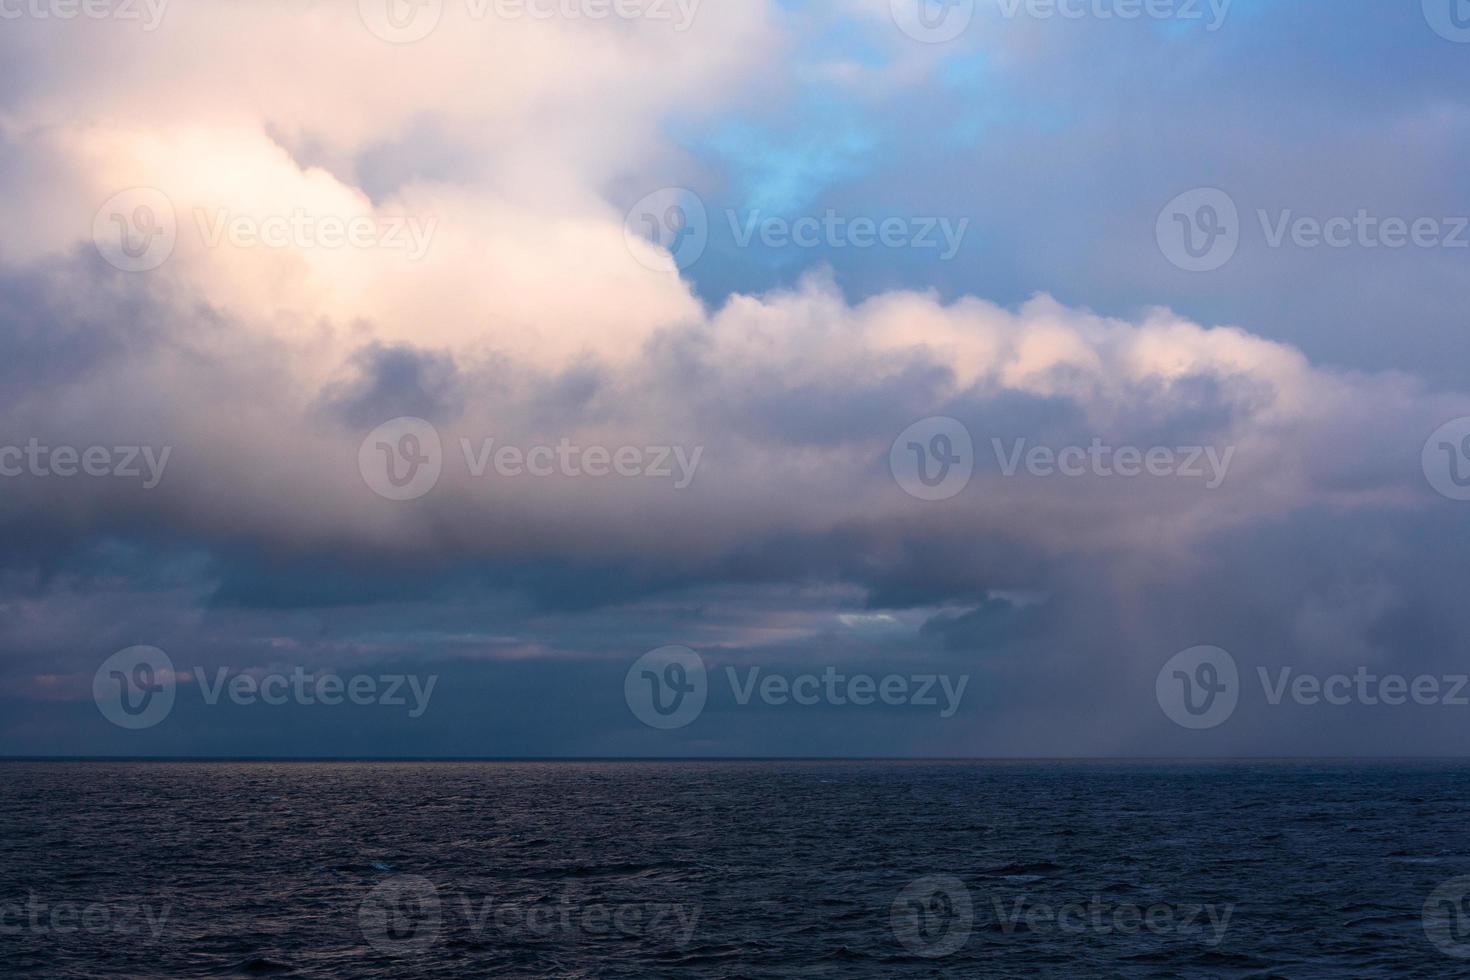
[523, 316]
[793, 398]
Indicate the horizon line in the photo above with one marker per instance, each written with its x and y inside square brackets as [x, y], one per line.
[733, 758]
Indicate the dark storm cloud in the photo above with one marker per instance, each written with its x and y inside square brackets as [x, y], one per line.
[265, 545]
[66, 318]
[396, 381]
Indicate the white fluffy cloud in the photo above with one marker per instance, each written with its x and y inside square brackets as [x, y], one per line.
[254, 111]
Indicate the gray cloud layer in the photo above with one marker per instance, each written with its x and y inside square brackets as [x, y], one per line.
[533, 320]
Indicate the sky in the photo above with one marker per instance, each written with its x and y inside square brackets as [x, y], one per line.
[602, 378]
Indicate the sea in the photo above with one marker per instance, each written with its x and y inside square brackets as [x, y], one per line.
[734, 869]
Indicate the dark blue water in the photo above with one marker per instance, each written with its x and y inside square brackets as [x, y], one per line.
[734, 869]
